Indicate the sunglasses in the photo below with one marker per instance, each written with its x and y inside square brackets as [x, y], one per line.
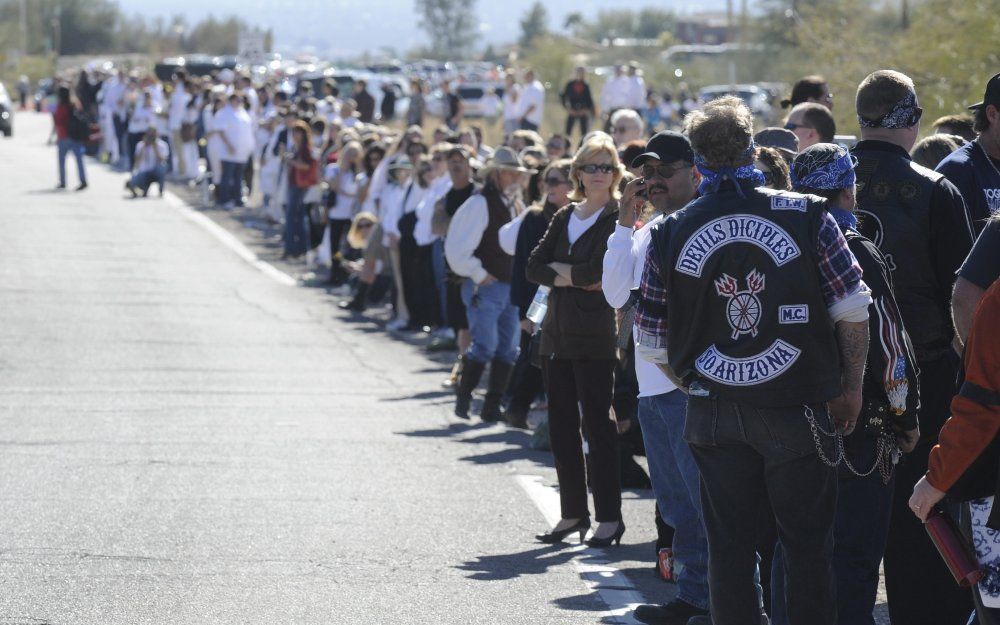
[593, 169]
[555, 182]
[621, 129]
[365, 224]
[791, 126]
[663, 171]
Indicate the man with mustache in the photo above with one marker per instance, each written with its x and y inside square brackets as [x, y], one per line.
[669, 181]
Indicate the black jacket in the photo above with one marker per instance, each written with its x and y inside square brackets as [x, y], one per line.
[579, 324]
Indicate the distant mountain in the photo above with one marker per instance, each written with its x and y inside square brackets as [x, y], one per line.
[346, 28]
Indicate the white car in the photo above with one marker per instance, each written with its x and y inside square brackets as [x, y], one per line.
[756, 99]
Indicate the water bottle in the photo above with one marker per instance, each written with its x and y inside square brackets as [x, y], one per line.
[536, 312]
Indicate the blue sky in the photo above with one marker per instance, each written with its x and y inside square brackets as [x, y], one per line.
[349, 27]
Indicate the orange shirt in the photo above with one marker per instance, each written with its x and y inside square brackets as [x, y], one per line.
[975, 411]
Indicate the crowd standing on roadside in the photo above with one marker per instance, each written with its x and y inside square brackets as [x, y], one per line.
[803, 337]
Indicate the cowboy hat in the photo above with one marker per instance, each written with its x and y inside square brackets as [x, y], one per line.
[505, 159]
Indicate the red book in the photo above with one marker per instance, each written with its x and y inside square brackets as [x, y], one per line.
[953, 547]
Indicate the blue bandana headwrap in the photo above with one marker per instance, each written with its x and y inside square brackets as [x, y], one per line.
[824, 166]
[712, 178]
[904, 114]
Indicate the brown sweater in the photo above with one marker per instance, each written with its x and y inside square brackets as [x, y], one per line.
[975, 411]
[579, 324]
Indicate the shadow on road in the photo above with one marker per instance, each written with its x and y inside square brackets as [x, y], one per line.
[513, 565]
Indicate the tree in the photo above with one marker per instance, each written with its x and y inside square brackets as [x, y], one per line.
[534, 24]
[451, 25]
[573, 21]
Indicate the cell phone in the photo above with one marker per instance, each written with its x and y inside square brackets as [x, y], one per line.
[643, 192]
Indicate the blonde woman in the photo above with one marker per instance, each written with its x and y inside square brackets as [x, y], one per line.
[342, 178]
[578, 345]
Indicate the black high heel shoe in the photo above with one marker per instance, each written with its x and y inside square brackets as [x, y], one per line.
[557, 536]
[615, 538]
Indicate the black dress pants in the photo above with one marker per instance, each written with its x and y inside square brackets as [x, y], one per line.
[584, 388]
[419, 288]
[919, 588]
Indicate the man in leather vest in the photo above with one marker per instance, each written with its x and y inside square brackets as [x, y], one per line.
[473, 250]
[918, 220]
[764, 312]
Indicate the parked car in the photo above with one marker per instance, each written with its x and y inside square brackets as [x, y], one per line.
[472, 95]
[6, 112]
[756, 99]
[194, 65]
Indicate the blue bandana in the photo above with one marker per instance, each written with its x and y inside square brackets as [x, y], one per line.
[824, 166]
[711, 178]
[844, 218]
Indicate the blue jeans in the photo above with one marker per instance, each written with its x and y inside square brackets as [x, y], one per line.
[493, 322]
[677, 487]
[66, 146]
[440, 274]
[144, 179]
[231, 185]
[296, 223]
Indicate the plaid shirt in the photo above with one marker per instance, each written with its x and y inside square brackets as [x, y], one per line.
[839, 270]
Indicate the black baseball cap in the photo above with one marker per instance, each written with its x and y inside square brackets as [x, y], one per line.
[666, 146]
[992, 95]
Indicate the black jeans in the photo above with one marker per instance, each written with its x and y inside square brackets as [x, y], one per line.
[746, 454]
[582, 388]
[582, 120]
[918, 585]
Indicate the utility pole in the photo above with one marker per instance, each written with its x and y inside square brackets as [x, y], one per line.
[904, 20]
[23, 24]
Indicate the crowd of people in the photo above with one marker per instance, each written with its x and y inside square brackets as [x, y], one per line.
[782, 324]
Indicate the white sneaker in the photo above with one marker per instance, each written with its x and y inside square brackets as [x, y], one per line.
[397, 324]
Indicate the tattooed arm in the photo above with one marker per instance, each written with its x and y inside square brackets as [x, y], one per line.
[852, 338]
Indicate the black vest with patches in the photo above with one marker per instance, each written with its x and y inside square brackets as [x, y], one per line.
[894, 196]
[745, 309]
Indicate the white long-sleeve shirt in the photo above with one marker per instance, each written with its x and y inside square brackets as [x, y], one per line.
[615, 93]
[624, 261]
[409, 198]
[508, 233]
[464, 235]
[424, 233]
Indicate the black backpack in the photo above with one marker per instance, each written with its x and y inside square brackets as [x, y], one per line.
[79, 125]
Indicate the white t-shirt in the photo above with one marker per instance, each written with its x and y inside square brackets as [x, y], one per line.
[236, 125]
[576, 226]
[142, 118]
[145, 154]
[533, 94]
[512, 103]
[347, 190]
[178, 105]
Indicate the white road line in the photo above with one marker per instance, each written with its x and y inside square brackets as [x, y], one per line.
[610, 584]
[230, 241]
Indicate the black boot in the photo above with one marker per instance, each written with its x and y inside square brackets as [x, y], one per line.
[357, 303]
[471, 372]
[499, 378]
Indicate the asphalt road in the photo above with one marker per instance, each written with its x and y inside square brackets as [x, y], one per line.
[186, 439]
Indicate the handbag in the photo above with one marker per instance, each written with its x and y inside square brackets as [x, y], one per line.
[304, 178]
[317, 224]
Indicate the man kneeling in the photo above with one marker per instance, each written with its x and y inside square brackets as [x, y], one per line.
[149, 164]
